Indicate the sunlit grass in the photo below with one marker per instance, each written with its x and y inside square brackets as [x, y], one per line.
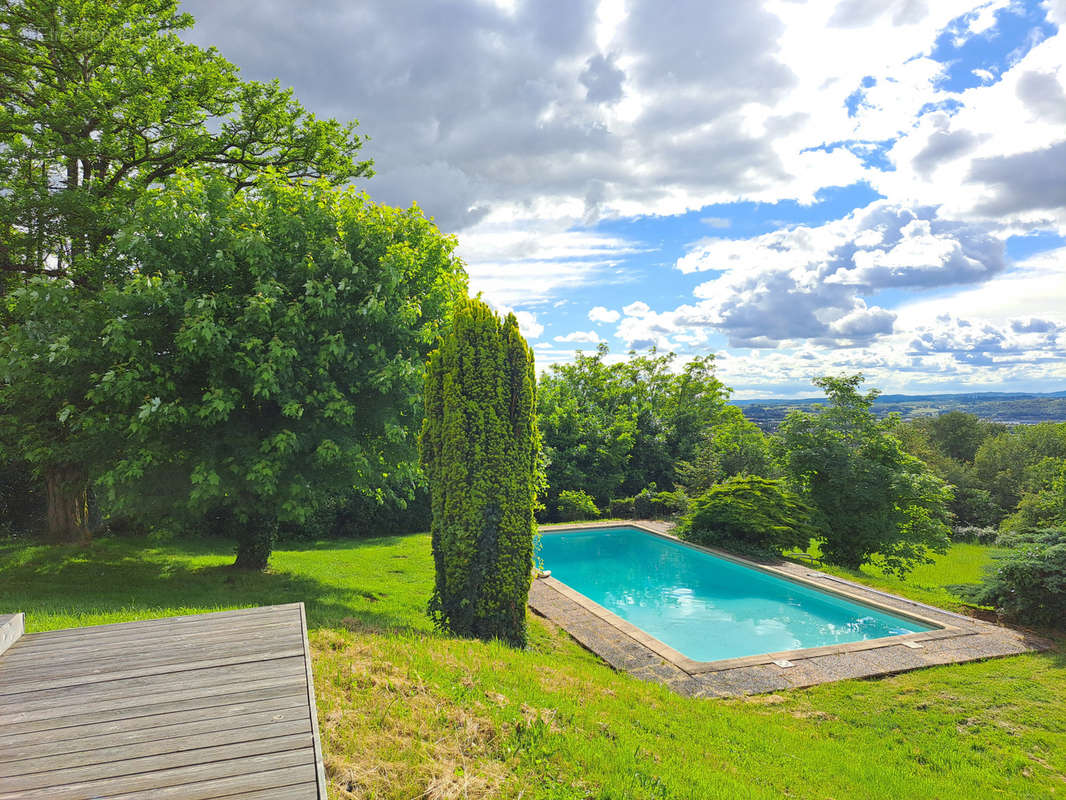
[115, 580]
[963, 563]
[407, 712]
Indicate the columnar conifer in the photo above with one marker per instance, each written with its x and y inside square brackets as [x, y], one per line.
[480, 447]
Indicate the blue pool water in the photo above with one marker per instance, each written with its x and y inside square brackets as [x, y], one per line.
[705, 607]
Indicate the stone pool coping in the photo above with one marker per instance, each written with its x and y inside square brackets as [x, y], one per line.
[955, 639]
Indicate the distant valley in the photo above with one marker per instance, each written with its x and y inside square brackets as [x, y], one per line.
[1017, 408]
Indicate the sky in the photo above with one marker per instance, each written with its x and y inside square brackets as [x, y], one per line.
[799, 188]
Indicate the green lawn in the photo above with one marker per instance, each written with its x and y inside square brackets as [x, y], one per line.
[406, 712]
[964, 563]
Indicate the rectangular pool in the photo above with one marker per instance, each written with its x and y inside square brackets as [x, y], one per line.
[706, 607]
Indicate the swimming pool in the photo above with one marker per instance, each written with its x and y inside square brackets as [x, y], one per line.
[704, 606]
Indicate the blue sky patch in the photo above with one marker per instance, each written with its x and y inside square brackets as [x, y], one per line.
[1020, 248]
[950, 106]
[855, 99]
[872, 154]
[1018, 28]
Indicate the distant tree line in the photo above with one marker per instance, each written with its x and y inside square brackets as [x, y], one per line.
[1010, 490]
[1004, 477]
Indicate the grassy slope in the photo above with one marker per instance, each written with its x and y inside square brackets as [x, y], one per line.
[406, 712]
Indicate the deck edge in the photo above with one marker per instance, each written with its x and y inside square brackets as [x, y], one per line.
[12, 626]
[320, 768]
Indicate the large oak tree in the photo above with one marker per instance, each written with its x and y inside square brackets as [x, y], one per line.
[100, 100]
[266, 352]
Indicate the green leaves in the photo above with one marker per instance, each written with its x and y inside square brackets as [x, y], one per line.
[613, 429]
[1007, 464]
[875, 500]
[103, 100]
[217, 403]
[480, 452]
[148, 408]
[46, 357]
[1026, 582]
[214, 377]
[730, 445]
[750, 514]
[1043, 507]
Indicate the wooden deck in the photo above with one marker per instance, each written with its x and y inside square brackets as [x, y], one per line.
[195, 707]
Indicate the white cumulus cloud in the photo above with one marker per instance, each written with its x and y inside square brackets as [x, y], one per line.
[601, 314]
[814, 282]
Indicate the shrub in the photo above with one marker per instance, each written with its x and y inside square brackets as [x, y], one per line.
[1017, 540]
[651, 504]
[1027, 583]
[644, 502]
[752, 515]
[480, 455]
[669, 504]
[621, 508]
[575, 504]
[392, 511]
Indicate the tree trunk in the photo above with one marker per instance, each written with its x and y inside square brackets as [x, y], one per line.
[68, 504]
[255, 541]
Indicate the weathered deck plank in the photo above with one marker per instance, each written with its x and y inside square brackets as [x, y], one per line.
[189, 707]
[290, 783]
[149, 705]
[101, 646]
[144, 767]
[159, 659]
[83, 739]
[247, 774]
[202, 682]
[222, 617]
[54, 680]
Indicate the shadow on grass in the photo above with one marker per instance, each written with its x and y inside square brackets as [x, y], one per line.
[137, 579]
[342, 543]
[1057, 656]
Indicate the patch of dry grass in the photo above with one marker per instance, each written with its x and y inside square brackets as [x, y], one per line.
[387, 733]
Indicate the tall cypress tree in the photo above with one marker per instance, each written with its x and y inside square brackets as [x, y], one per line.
[480, 447]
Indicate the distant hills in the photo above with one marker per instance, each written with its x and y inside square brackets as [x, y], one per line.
[1017, 408]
